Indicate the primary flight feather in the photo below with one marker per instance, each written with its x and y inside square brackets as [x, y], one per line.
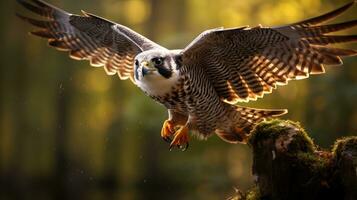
[200, 84]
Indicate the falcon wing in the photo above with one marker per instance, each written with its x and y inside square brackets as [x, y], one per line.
[245, 63]
[89, 37]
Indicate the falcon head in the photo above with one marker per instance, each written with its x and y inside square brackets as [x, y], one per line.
[154, 64]
[156, 71]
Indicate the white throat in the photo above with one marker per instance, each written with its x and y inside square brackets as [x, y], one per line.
[157, 85]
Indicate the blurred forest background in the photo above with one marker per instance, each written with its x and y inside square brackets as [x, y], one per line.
[69, 131]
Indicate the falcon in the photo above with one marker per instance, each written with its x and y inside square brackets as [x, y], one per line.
[200, 84]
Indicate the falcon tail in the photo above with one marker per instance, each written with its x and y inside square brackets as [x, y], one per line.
[245, 119]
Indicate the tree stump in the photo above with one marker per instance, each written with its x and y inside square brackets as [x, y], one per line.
[288, 165]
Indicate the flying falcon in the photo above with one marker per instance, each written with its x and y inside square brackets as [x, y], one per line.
[200, 84]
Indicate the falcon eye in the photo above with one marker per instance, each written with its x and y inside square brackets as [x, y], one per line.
[157, 61]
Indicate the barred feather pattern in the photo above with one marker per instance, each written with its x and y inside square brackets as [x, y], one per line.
[245, 63]
[88, 37]
[212, 115]
[224, 66]
[217, 69]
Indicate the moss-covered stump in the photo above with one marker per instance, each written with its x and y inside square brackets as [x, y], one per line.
[288, 165]
[345, 159]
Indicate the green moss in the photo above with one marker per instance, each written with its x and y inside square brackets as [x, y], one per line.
[266, 130]
[275, 128]
[343, 144]
[253, 194]
[315, 163]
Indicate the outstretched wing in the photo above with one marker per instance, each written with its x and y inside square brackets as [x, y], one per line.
[89, 37]
[245, 63]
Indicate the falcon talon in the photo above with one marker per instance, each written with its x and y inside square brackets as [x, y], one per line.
[167, 139]
[192, 82]
[186, 147]
[166, 131]
[179, 146]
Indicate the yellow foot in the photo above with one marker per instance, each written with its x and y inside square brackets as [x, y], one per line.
[167, 130]
[181, 139]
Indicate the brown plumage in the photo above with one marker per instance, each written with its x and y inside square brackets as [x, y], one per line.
[255, 60]
[88, 37]
[200, 84]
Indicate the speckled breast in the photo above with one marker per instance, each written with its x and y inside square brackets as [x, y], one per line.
[175, 99]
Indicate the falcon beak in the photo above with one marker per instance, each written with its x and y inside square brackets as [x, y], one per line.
[147, 68]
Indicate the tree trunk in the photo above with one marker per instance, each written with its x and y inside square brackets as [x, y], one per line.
[288, 165]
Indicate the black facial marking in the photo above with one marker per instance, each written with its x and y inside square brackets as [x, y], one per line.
[164, 72]
[136, 69]
[159, 65]
[178, 61]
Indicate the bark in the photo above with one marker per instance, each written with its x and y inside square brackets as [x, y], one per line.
[288, 165]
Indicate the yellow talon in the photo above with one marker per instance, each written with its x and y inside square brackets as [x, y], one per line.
[167, 130]
[181, 138]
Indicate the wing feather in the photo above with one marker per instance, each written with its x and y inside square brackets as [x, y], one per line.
[246, 63]
[88, 37]
[325, 17]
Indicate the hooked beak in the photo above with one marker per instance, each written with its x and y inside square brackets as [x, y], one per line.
[147, 68]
